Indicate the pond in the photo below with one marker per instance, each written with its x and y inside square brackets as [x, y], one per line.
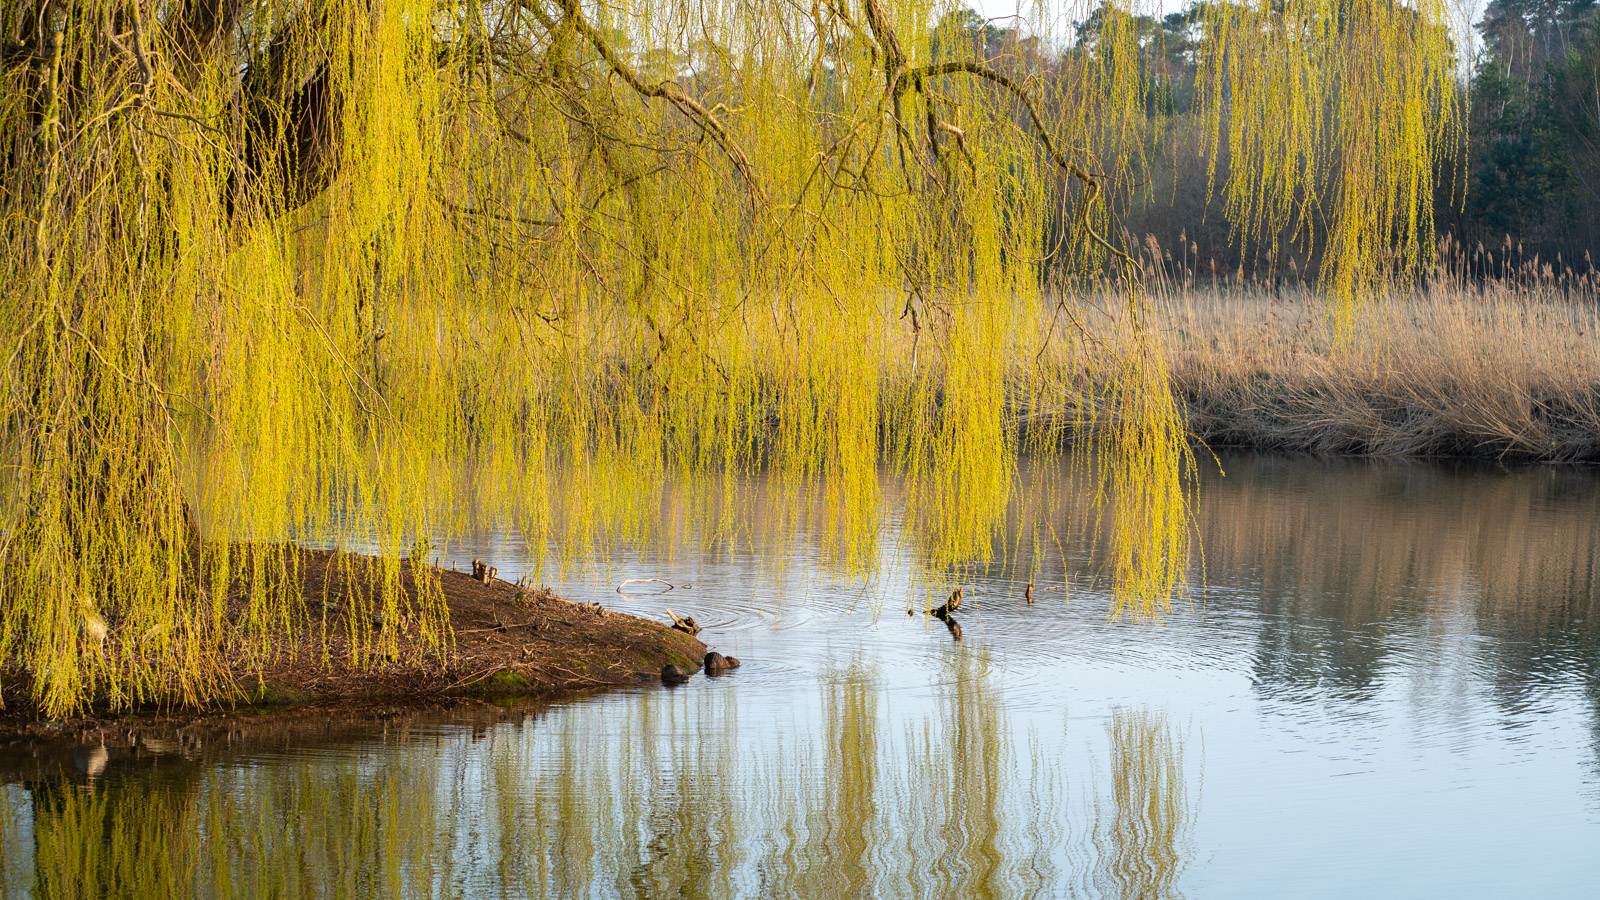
[1386, 683]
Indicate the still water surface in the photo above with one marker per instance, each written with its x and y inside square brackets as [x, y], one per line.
[1387, 685]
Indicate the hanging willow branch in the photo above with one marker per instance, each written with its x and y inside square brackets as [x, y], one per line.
[298, 267]
[914, 78]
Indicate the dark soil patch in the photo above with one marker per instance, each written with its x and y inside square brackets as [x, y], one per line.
[507, 641]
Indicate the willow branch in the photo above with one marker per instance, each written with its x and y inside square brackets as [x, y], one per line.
[914, 78]
[503, 217]
[686, 104]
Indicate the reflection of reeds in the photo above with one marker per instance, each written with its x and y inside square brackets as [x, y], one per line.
[1519, 549]
[1335, 555]
[1361, 540]
[1347, 551]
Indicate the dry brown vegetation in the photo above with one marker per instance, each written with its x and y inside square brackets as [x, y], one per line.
[1444, 373]
[1506, 369]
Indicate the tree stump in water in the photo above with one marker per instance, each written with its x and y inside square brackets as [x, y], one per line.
[716, 663]
[950, 606]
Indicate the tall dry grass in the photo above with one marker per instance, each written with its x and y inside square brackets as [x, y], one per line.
[1459, 366]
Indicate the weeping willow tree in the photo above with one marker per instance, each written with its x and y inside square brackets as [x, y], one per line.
[285, 267]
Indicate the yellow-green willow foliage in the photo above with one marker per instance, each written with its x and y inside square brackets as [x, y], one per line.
[1333, 114]
[280, 268]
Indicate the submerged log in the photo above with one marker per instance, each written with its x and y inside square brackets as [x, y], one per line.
[687, 624]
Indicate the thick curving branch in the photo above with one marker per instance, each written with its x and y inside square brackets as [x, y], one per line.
[685, 103]
[910, 79]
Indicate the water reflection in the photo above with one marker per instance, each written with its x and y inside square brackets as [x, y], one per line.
[1388, 682]
[1144, 836]
[1450, 575]
[676, 801]
[1343, 550]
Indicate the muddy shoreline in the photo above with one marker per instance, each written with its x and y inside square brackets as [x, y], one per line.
[510, 643]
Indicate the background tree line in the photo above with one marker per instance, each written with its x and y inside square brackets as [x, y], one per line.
[1525, 175]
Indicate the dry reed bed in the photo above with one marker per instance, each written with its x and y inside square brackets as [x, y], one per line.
[1495, 372]
[1498, 370]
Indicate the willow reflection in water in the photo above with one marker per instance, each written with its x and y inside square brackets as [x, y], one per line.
[1144, 837]
[1383, 659]
[297, 826]
[677, 801]
[845, 798]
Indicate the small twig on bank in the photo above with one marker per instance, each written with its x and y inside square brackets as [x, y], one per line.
[473, 678]
[500, 628]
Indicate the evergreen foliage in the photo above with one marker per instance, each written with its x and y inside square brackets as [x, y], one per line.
[1535, 125]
